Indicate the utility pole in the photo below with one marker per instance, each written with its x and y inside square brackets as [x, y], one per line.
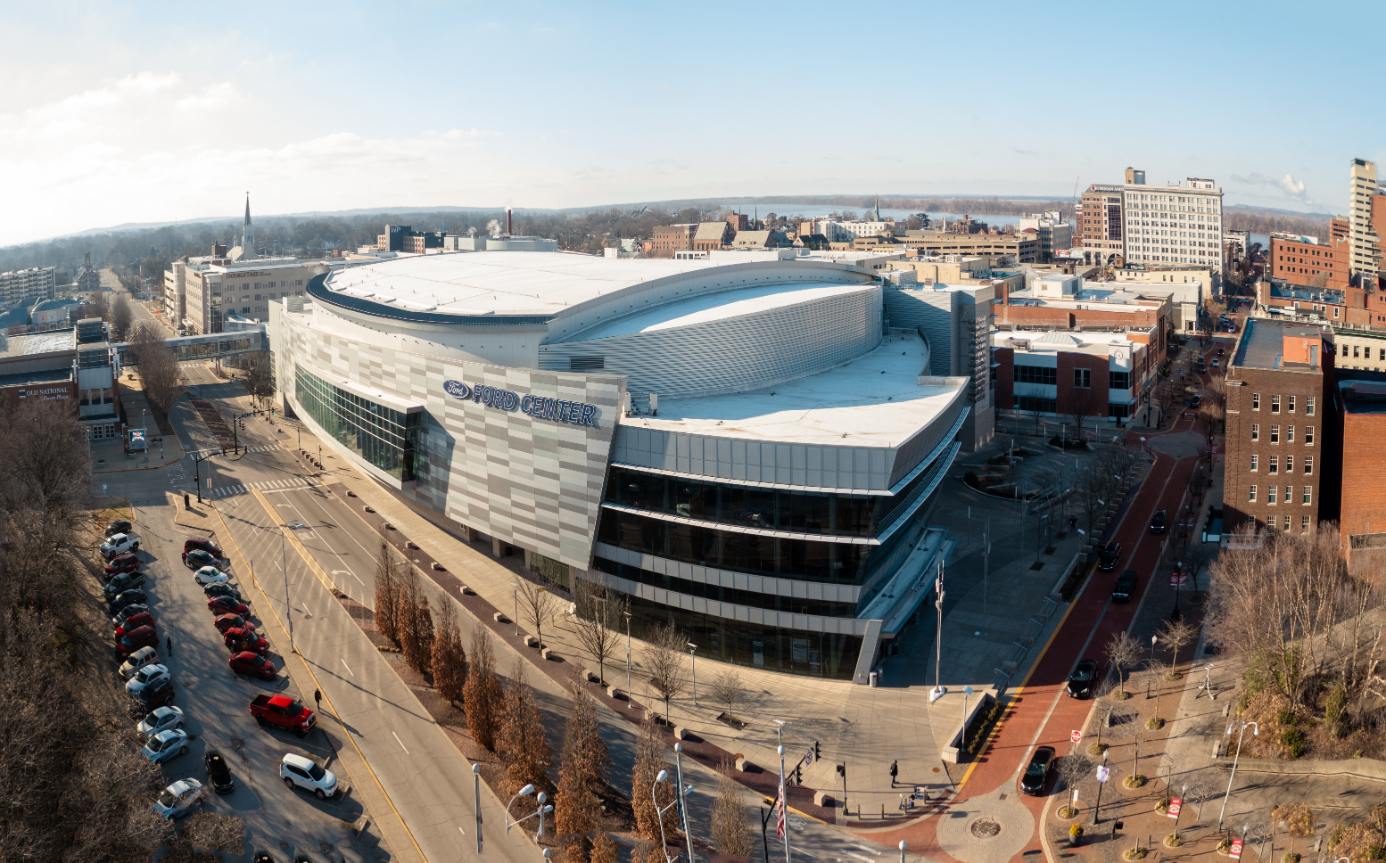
[1240, 728]
[938, 691]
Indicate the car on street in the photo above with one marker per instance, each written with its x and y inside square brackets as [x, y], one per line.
[218, 772]
[1195, 401]
[1159, 522]
[159, 719]
[300, 772]
[210, 575]
[118, 544]
[1108, 556]
[127, 612]
[120, 525]
[145, 636]
[221, 588]
[1080, 682]
[281, 711]
[179, 798]
[226, 622]
[121, 583]
[1037, 771]
[1125, 586]
[1215, 363]
[239, 641]
[201, 543]
[157, 693]
[126, 598]
[137, 660]
[1222, 351]
[133, 622]
[121, 563]
[145, 676]
[227, 605]
[197, 557]
[166, 746]
[252, 664]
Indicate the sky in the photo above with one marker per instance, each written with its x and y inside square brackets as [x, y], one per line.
[149, 112]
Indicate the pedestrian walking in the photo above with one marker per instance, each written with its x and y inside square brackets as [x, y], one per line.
[894, 772]
[168, 642]
[317, 699]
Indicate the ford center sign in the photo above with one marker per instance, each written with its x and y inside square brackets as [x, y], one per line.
[539, 407]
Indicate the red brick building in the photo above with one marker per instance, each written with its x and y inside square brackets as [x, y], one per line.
[1299, 261]
[669, 239]
[1279, 449]
[1361, 413]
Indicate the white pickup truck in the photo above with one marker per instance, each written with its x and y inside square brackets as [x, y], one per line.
[119, 544]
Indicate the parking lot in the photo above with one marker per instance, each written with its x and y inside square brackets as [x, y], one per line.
[215, 703]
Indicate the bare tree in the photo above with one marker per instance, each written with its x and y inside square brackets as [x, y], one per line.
[731, 830]
[727, 689]
[1082, 403]
[1122, 651]
[595, 616]
[43, 463]
[664, 662]
[449, 658]
[521, 741]
[1134, 733]
[581, 775]
[1073, 769]
[604, 849]
[387, 593]
[157, 365]
[538, 607]
[120, 316]
[98, 306]
[1102, 712]
[415, 622]
[648, 796]
[484, 695]
[259, 381]
[1176, 635]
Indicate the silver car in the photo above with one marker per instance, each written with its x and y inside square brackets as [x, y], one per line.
[166, 746]
[179, 798]
[160, 719]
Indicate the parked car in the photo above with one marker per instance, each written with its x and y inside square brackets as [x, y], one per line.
[120, 525]
[145, 636]
[158, 693]
[1108, 555]
[133, 622]
[166, 746]
[221, 588]
[121, 563]
[252, 664]
[300, 772]
[1201, 366]
[126, 598]
[210, 575]
[201, 543]
[239, 641]
[197, 557]
[225, 622]
[120, 543]
[1196, 400]
[1081, 680]
[1222, 351]
[281, 711]
[1125, 586]
[218, 772]
[121, 583]
[228, 605]
[137, 660]
[1215, 363]
[145, 676]
[127, 612]
[179, 798]
[1037, 771]
[159, 719]
[1159, 522]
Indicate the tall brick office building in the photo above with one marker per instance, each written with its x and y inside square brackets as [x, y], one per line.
[1361, 413]
[1281, 466]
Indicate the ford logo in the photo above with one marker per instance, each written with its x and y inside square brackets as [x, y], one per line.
[457, 389]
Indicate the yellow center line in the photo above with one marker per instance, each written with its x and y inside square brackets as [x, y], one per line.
[246, 563]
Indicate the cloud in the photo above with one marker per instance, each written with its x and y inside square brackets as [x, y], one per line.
[213, 96]
[1025, 152]
[1286, 185]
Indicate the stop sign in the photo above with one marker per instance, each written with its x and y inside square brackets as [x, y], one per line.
[1075, 736]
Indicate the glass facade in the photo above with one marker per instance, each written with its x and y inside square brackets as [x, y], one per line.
[688, 587]
[385, 437]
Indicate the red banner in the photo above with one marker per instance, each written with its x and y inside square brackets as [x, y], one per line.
[1175, 804]
[1236, 850]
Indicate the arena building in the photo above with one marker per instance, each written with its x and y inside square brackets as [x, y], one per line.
[735, 444]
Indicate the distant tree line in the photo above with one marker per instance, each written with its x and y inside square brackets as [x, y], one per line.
[1313, 225]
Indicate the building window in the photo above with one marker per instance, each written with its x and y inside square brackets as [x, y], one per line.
[1308, 495]
[1275, 434]
[1308, 435]
[1274, 464]
[272, 295]
[1256, 401]
[1255, 460]
[1036, 375]
[1289, 464]
[1291, 406]
[1309, 405]
[1308, 465]
[385, 437]
[1287, 518]
[1270, 494]
[1289, 434]
[1039, 405]
[1082, 378]
[1119, 380]
[1255, 431]
[1304, 524]
[1275, 404]
[1251, 494]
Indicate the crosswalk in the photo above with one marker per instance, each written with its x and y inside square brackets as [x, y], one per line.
[216, 450]
[265, 485]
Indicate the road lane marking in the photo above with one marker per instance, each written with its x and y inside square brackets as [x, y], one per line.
[347, 667]
[400, 742]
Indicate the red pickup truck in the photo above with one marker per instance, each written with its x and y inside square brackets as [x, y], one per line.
[284, 712]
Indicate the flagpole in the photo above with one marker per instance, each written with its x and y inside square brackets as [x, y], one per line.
[783, 819]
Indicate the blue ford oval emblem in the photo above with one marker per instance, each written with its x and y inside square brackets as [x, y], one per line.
[457, 389]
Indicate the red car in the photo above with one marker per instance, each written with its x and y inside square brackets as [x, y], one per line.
[202, 544]
[252, 664]
[121, 563]
[227, 622]
[227, 605]
[134, 622]
[144, 636]
[239, 640]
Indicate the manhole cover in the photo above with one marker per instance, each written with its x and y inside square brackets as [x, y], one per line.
[985, 828]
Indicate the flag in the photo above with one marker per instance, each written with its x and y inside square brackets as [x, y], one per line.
[779, 812]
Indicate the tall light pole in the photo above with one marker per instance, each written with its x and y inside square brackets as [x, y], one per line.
[515, 595]
[476, 797]
[1097, 807]
[683, 802]
[544, 808]
[1240, 728]
[284, 565]
[902, 851]
[630, 701]
[1153, 639]
[660, 810]
[938, 690]
[693, 657]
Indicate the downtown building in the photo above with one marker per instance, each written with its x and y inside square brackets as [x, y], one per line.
[737, 444]
[19, 286]
[1136, 223]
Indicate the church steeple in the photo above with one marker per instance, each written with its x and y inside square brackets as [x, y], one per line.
[878, 210]
[247, 232]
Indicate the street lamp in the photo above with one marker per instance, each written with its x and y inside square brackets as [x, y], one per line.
[515, 595]
[1097, 807]
[1240, 728]
[476, 798]
[544, 808]
[630, 702]
[660, 810]
[284, 565]
[1153, 639]
[902, 851]
[683, 803]
[938, 690]
[693, 657]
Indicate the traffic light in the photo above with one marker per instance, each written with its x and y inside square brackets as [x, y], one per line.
[842, 770]
[798, 774]
[817, 753]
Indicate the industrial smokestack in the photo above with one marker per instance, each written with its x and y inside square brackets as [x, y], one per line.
[509, 222]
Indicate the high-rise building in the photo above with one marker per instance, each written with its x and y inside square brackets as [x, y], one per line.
[1100, 224]
[1366, 217]
[1178, 223]
[18, 286]
[1053, 232]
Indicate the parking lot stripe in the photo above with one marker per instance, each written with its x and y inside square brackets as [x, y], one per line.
[347, 667]
[400, 742]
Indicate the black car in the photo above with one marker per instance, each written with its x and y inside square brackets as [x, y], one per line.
[118, 526]
[1037, 771]
[1081, 680]
[1159, 522]
[1221, 351]
[218, 773]
[214, 590]
[122, 583]
[128, 612]
[1107, 556]
[156, 693]
[1195, 401]
[1125, 586]
[124, 598]
[197, 558]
